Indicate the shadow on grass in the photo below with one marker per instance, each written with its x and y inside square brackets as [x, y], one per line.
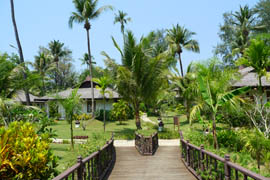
[126, 133]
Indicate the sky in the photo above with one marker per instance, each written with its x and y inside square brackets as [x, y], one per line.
[41, 21]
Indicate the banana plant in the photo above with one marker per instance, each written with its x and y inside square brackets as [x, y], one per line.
[215, 100]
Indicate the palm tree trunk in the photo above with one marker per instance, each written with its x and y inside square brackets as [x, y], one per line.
[181, 66]
[214, 131]
[44, 88]
[19, 49]
[137, 116]
[104, 111]
[90, 69]
[71, 133]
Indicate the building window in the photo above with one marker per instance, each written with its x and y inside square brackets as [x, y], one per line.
[89, 106]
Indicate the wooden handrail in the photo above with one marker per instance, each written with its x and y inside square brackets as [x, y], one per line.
[96, 166]
[146, 145]
[199, 161]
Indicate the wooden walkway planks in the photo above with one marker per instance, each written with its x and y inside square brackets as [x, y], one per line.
[165, 164]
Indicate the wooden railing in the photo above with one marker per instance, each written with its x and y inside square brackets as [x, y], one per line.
[97, 166]
[206, 165]
[146, 145]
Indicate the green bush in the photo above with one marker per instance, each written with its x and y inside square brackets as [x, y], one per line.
[99, 115]
[230, 139]
[24, 155]
[121, 111]
[97, 141]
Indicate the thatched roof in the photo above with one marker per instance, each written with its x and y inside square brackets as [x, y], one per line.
[249, 78]
[85, 93]
[20, 97]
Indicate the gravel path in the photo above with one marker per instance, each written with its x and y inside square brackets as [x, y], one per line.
[146, 119]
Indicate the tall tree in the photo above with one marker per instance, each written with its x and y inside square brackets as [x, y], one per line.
[86, 11]
[181, 38]
[42, 66]
[122, 18]
[262, 9]
[235, 33]
[58, 51]
[140, 76]
[19, 48]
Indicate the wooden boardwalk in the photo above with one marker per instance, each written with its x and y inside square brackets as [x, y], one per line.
[164, 165]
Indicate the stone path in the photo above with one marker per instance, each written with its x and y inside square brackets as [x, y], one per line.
[164, 165]
[146, 119]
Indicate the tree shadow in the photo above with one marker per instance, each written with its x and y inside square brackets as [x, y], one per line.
[126, 133]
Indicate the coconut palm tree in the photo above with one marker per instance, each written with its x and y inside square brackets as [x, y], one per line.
[57, 51]
[122, 19]
[103, 84]
[139, 78]
[257, 55]
[19, 48]
[43, 66]
[181, 38]
[86, 11]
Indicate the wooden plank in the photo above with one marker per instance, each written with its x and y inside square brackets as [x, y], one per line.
[165, 164]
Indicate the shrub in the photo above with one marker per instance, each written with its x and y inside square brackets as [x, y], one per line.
[99, 115]
[230, 139]
[97, 141]
[25, 155]
[121, 111]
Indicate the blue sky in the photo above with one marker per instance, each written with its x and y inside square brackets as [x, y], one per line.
[42, 21]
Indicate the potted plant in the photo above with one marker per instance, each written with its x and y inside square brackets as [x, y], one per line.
[77, 124]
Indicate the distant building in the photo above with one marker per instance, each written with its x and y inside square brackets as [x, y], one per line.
[84, 91]
[249, 78]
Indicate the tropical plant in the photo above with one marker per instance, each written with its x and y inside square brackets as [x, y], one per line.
[19, 49]
[235, 33]
[180, 38]
[43, 66]
[187, 87]
[257, 56]
[86, 11]
[214, 83]
[24, 154]
[122, 19]
[72, 105]
[103, 84]
[120, 111]
[57, 51]
[140, 76]
[262, 9]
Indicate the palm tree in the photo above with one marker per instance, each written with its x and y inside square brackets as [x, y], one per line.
[103, 84]
[57, 51]
[257, 55]
[43, 65]
[85, 59]
[122, 19]
[181, 38]
[86, 10]
[72, 105]
[139, 79]
[19, 48]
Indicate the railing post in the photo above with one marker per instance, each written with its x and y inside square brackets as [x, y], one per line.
[227, 168]
[80, 169]
[202, 157]
[188, 153]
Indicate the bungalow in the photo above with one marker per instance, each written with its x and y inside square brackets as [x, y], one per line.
[20, 97]
[249, 78]
[85, 93]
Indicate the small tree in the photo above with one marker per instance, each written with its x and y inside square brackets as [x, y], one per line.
[103, 84]
[120, 111]
[72, 106]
